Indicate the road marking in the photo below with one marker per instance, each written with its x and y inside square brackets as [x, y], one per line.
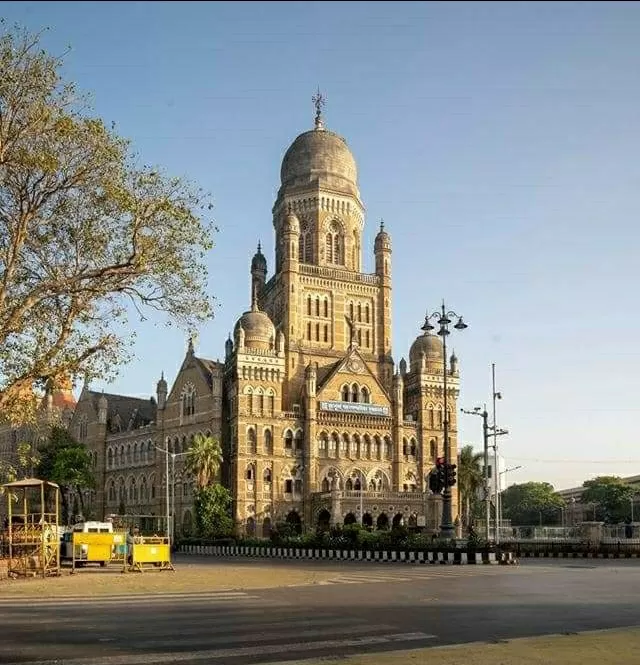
[224, 596]
[215, 654]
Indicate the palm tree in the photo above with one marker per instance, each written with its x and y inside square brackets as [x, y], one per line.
[204, 458]
[470, 479]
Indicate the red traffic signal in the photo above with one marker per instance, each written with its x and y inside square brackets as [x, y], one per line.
[439, 461]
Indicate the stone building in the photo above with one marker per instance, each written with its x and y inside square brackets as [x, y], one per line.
[319, 426]
[132, 442]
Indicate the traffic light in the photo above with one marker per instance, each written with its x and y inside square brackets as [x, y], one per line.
[451, 475]
[434, 483]
[441, 473]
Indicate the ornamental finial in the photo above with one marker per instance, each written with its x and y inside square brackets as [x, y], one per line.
[319, 101]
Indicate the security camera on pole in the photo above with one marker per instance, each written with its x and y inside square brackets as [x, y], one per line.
[447, 528]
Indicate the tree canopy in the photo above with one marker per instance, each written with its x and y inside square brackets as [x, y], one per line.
[204, 459]
[532, 503]
[611, 496]
[87, 235]
[470, 480]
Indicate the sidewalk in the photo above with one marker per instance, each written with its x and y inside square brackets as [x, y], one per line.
[607, 647]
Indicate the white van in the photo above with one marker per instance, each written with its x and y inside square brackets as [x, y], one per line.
[66, 545]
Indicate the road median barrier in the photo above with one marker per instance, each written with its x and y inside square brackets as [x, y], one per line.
[101, 548]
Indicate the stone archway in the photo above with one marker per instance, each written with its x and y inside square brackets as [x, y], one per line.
[266, 527]
[367, 520]
[382, 523]
[398, 520]
[294, 521]
[324, 520]
[350, 518]
[251, 527]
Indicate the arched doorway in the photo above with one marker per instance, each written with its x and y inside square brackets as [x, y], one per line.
[398, 520]
[367, 520]
[251, 527]
[413, 521]
[294, 521]
[324, 520]
[350, 518]
[382, 523]
[266, 527]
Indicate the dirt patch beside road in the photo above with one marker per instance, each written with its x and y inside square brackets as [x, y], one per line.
[607, 647]
[186, 578]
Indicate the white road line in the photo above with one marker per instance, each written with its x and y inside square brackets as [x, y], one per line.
[134, 598]
[215, 654]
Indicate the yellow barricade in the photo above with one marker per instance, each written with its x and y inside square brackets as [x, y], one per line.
[92, 547]
[151, 554]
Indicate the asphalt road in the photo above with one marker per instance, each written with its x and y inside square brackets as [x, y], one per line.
[364, 608]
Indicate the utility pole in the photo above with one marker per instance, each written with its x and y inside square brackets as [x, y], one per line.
[496, 471]
[485, 472]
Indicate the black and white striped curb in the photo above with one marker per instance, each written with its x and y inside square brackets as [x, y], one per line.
[578, 555]
[457, 557]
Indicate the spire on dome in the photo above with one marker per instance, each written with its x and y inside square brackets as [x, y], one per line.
[319, 101]
[254, 298]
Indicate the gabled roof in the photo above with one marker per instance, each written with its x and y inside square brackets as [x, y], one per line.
[133, 412]
[29, 482]
[207, 367]
[330, 371]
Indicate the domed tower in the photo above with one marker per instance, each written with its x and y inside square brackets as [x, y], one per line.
[254, 330]
[319, 184]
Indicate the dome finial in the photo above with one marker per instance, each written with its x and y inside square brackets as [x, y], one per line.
[381, 225]
[259, 247]
[319, 101]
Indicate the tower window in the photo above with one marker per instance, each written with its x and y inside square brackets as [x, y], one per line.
[309, 331]
[317, 332]
[317, 306]
[326, 333]
[335, 245]
[326, 308]
[368, 336]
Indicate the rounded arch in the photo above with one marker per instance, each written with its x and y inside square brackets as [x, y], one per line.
[382, 523]
[250, 471]
[398, 520]
[288, 440]
[350, 518]
[266, 476]
[294, 521]
[268, 441]
[323, 521]
[110, 458]
[327, 474]
[367, 520]
[266, 527]
[345, 393]
[251, 526]
[365, 395]
[378, 481]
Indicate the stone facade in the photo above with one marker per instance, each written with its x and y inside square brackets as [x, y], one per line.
[317, 422]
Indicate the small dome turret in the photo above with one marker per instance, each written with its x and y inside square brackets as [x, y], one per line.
[259, 331]
[429, 345]
[383, 239]
[291, 223]
[259, 261]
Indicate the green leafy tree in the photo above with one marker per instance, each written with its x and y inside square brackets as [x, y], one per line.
[470, 481]
[213, 511]
[611, 496]
[66, 462]
[72, 471]
[204, 459]
[531, 503]
[87, 234]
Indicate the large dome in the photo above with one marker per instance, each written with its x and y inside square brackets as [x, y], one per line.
[320, 157]
[430, 345]
[259, 331]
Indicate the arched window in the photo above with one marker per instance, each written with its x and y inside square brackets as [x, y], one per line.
[433, 449]
[299, 442]
[136, 453]
[266, 476]
[329, 248]
[431, 417]
[110, 458]
[366, 313]
[129, 454]
[387, 448]
[351, 311]
[121, 456]
[335, 244]
[309, 305]
[288, 441]
[355, 392]
[112, 492]
[345, 393]
[378, 447]
[368, 339]
[359, 312]
[252, 441]
[305, 247]
[364, 395]
[325, 485]
[250, 472]
[188, 400]
[412, 448]
[334, 442]
[326, 308]
[317, 306]
[439, 415]
[268, 442]
[323, 444]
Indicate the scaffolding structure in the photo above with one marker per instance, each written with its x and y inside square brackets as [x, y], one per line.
[33, 535]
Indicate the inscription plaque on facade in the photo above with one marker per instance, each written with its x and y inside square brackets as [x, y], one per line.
[355, 407]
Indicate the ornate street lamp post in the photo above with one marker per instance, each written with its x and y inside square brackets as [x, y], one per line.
[447, 529]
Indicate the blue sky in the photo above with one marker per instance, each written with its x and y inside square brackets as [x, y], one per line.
[499, 142]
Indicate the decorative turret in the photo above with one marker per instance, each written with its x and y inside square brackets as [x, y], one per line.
[311, 375]
[254, 329]
[453, 364]
[382, 251]
[228, 348]
[161, 392]
[403, 367]
[258, 271]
